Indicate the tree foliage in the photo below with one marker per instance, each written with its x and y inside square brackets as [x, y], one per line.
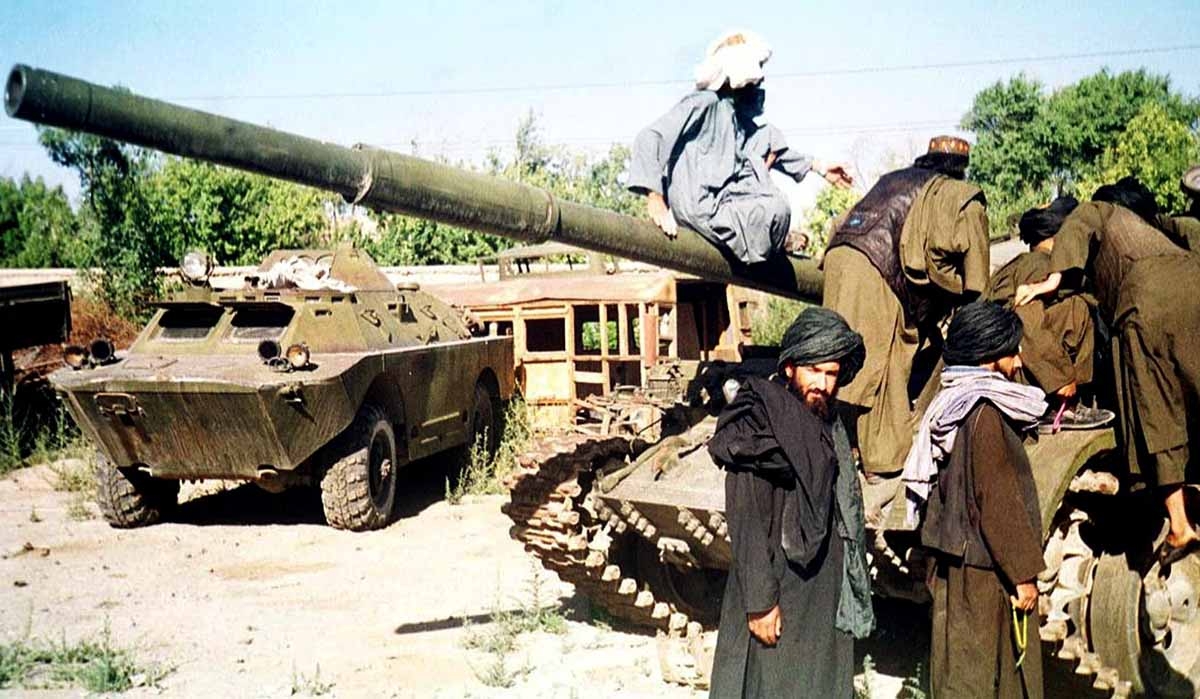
[236, 216]
[37, 226]
[404, 240]
[1156, 149]
[115, 213]
[1032, 145]
[830, 204]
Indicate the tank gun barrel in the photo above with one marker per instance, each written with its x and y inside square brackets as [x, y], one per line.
[385, 181]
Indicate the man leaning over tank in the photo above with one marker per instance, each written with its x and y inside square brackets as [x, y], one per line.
[704, 164]
[914, 248]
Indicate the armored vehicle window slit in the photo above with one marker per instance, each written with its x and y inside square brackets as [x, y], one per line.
[183, 324]
[260, 323]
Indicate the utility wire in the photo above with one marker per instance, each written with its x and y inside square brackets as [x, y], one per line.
[828, 72]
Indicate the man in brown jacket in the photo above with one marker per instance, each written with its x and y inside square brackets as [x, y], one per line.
[915, 247]
[1136, 273]
[1184, 228]
[1059, 336]
[982, 522]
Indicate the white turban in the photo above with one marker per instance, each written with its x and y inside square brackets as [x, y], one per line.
[736, 58]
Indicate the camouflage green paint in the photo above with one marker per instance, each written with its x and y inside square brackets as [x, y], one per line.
[386, 181]
[210, 408]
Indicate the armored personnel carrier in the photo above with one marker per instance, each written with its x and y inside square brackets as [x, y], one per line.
[319, 371]
[638, 527]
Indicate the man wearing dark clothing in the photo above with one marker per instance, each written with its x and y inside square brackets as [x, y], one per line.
[982, 521]
[798, 591]
[1059, 335]
[915, 247]
[1137, 274]
[1184, 228]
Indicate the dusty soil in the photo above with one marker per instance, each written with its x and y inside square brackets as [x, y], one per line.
[247, 594]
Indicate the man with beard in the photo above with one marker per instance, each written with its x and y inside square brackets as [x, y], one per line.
[1111, 246]
[705, 163]
[1184, 228]
[798, 591]
[915, 247]
[1059, 337]
[982, 522]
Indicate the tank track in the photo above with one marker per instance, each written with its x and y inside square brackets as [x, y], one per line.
[573, 534]
[1065, 591]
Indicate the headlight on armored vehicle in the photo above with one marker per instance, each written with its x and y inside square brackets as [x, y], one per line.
[196, 267]
[75, 356]
[298, 355]
[102, 351]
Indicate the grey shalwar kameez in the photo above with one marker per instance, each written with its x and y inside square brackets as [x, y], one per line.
[707, 157]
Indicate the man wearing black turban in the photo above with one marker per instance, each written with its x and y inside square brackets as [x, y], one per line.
[1059, 340]
[798, 592]
[982, 522]
[1142, 282]
[1184, 228]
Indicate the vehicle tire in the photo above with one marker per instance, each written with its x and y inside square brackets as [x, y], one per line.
[482, 420]
[358, 490]
[131, 498]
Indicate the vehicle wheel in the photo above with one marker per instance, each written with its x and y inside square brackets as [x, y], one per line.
[130, 498]
[696, 592]
[1149, 627]
[480, 422]
[358, 490]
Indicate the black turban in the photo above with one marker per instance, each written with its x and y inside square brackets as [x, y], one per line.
[822, 335]
[1131, 194]
[1039, 224]
[982, 332]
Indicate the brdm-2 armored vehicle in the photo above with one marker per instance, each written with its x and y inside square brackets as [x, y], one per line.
[639, 527]
[319, 371]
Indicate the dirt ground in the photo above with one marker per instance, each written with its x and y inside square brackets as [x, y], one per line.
[247, 594]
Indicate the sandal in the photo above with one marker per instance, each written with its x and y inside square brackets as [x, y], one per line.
[1168, 554]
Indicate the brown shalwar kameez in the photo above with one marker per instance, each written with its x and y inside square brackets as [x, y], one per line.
[944, 243]
[1183, 229]
[973, 650]
[1144, 284]
[1058, 337]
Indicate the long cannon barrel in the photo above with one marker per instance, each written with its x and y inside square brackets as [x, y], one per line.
[386, 181]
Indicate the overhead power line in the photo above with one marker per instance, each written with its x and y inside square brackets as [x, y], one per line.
[826, 72]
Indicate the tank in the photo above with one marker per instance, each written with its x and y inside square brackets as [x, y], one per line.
[319, 371]
[637, 524]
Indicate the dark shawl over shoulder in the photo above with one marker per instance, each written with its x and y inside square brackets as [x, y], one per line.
[769, 430]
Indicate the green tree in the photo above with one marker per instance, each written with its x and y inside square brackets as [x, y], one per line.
[403, 240]
[115, 215]
[1155, 148]
[831, 203]
[1031, 145]
[37, 226]
[236, 216]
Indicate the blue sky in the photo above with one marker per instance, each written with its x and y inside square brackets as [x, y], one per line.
[277, 63]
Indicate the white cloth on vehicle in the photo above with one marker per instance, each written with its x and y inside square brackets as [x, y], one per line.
[303, 273]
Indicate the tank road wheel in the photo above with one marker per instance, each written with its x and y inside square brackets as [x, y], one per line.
[358, 490]
[1149, 627]
[131, 498]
